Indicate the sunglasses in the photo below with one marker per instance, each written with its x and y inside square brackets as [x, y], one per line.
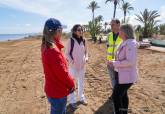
[79, 30]
[59, 30]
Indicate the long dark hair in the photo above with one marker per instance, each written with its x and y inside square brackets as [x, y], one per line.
[47, 39]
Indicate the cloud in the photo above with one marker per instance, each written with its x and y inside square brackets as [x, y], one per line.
[133, 21]
[162, 14]
[38, 6]
[27, 25]
[45, 7]
[131, 1]
[67, 12]
[13, 16]
[49, 8]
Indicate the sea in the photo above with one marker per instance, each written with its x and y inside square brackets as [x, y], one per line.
[7, 37]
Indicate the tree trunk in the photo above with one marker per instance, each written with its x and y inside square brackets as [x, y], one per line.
[145, 32]
[93, 23]
[124, 16]
[114, 13]
[105, 27]
[93, 18]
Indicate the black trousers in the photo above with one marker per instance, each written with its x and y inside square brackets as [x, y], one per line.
[120, 97]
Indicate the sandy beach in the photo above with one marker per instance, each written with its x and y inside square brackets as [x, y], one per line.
[22, 81]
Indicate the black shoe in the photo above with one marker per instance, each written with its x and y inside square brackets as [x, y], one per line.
[73, 106]
[84, 102]
[110, 98]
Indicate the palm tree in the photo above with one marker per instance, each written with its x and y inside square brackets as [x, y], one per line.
[152, 27]
[85, 28]
[93, 6]
[99, 18]
[138, 28]
[139, 31]
[147, 18]
[115, 2]
[98, 23]
[95, 28]
[126, 20]
[126, 7]
[162, 29]
[92, 25]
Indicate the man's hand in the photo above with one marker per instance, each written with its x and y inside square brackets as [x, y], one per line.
[110, 63]
[86, 59]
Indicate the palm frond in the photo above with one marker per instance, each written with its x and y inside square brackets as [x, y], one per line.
[108, 1]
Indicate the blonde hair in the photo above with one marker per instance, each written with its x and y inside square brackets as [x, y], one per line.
[128, 30]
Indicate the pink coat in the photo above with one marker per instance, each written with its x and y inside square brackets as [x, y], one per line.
[125, 63]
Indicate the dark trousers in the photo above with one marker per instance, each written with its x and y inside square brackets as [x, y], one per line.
[120, 98]
[58, 106]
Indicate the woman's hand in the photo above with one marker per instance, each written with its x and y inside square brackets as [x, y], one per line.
[110, 62]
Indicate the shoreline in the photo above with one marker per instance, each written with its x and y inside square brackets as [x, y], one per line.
[11, 37]
[20, 39]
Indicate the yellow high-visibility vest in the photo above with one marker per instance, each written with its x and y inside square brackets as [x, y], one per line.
[112, 46]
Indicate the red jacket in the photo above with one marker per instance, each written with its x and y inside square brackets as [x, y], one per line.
[58, 82]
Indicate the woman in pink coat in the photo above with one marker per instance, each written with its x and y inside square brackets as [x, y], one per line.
[125, 67]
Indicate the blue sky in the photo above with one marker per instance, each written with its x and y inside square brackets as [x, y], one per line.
[27, 16]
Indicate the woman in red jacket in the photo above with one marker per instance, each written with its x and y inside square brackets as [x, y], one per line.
[58, 82]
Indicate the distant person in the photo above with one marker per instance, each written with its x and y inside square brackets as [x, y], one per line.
[100, 39]
[58, 82]
[125, 68]
[77, 56]
[113, 42]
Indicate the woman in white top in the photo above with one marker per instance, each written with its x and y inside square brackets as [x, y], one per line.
[76, 54]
